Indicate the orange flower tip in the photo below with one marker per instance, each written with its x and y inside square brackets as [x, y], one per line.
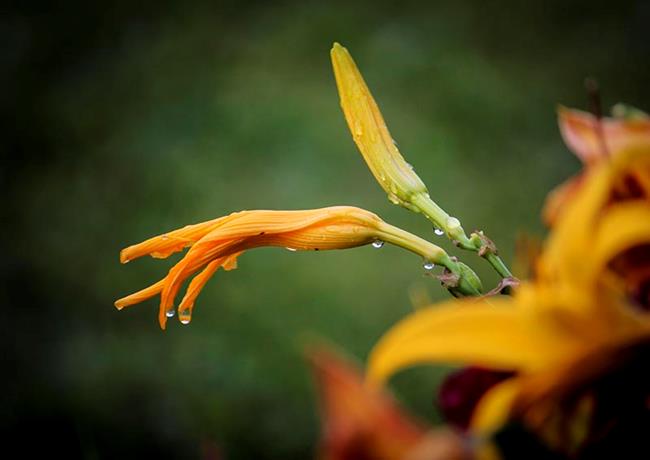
[124, 258]
[121, 303]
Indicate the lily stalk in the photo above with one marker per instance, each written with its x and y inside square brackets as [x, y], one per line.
[461, 282]
[397, 177]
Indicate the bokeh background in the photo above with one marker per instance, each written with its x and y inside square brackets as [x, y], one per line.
[125, 119]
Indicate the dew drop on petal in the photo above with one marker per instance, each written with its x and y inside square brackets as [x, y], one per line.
[185, 316]
[291, 249]
[438, 231]
[170, 313]
[428, 265]
[377, 244]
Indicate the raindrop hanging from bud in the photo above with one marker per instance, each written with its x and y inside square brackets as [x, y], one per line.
[438, 231]
[291, 249]
[428, 265]
[170, 313]
[378, 244]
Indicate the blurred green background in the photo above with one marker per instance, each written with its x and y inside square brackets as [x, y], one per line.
[122, 120]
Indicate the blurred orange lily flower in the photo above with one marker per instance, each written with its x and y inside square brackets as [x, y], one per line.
[360, 422]
[593, 140]
[217, 244]
[552, 331]
[606, 233]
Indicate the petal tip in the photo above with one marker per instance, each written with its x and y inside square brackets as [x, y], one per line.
[124, 257]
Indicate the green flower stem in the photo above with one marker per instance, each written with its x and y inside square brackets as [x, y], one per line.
[438, 217]
[468, 283]
[454, 231]
[499, 265]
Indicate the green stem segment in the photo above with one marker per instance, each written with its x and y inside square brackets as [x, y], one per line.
[454, 231]
[466, 282]
[499, 265]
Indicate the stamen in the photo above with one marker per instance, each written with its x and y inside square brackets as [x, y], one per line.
[593, 93]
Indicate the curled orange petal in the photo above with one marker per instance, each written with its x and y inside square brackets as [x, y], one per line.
[592, 139]
[164, 245]
[360, 421]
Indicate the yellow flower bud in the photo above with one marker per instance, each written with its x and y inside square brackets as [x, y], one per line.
[371, 135]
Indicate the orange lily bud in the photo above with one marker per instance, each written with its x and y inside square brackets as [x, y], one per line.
[218, 243]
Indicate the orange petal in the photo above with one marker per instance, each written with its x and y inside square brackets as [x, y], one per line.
[358, 421]
[141, 295]
[592, 139]
[162, 246]
[559, 197]
[198, 282]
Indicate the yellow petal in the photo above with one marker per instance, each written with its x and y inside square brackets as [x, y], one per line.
[493, 409]
[622, 227]
[569, 244]
[500, 336]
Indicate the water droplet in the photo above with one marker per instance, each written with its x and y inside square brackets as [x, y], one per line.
[185, 317]
[452, 222]
[438, 231]
[410, 166]
[291, 249]
[428, 265]
[377, 244]
[170, 313]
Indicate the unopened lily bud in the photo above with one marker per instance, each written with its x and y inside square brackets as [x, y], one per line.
[369, 131]
[371, 135]
[468, 282]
